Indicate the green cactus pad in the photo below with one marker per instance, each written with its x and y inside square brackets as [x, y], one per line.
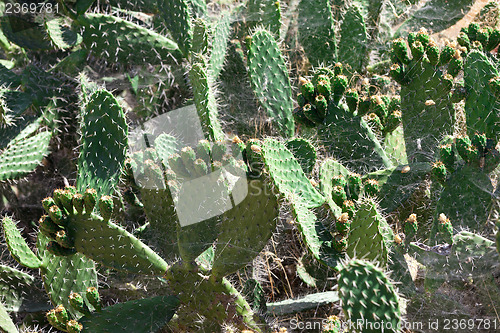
[23, 156]
[25, 33]
[481, 105]
[304, 152]
[351, 140]
[270, 81]
[398, 183]
[353, 46]
[64, 275]
[287, 174]
[99, 166]
[221, 33]
[317, 239]
[316, 31]
[206, 106]
[120, 41]
[466, 198]
[113, 246]
[21, 292]
[17, 245]
[141, 316]
[369, 297]
[6, 323]
[177, 16]
[370, 235]
[245, 229]
[330, 169]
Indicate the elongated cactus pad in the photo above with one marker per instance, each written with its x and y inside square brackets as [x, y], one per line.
[245, 229]
[99, 166]
[120, 41]
[17, 245]
[370, 235]
[270, 80]
[288, 176]
[142, 316]
[177, 17]
[369, 298]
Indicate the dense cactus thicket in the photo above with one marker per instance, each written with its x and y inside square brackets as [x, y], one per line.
[249, 166]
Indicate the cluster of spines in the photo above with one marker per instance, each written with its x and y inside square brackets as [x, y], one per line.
[479, 38]
[59, 317]
[60, 206]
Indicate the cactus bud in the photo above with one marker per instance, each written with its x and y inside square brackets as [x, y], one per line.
[324, 87]
[446, 55]
[176, 164]
[301, 100]
[494, 40]
[339, 243]
[340, 83]
[78, 203]
[447, 155]
[307, 89]
[338, 195]
[374, 122]
[463, 40]
[339, 180]
[439, 172]
[372, 187]
[433, 53]
[89, 200]
[445, 228]
[203, 151]
[56, 215]
[255, 160]
[47, 203]
[477, 46]
[74, 327]
[58, 194]
[343, 224]
[456, 65]
[338, 68]
[410, 226]
[396, 72]
[352, 99]
[321, 105]
[219, 149]
[311, 114]
[400, 50]
[77, 302]
[463, 143]
[52, 319]
[393, 121]
[473, 30]
[354, 185]
[94, 298]
[61, 314]
[417, 50]
[480, 141]
[495, 86]
[349, 208]
[47, 226]
[483, 36]
[63, 239]
[106, 207]
[200, 167]
[423, 37]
